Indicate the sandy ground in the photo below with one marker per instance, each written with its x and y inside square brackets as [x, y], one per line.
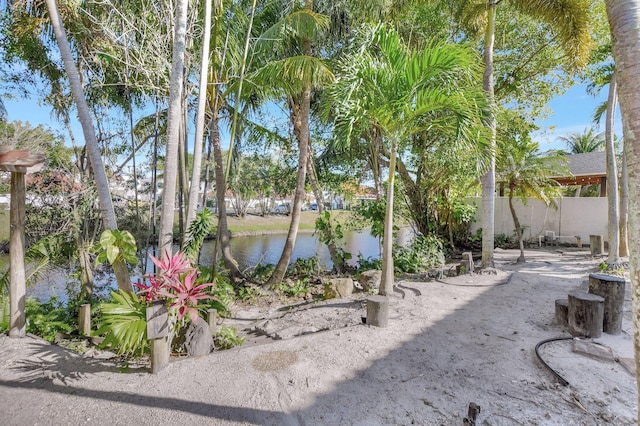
[450, 342]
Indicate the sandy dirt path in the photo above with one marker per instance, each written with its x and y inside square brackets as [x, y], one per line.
[450, 342]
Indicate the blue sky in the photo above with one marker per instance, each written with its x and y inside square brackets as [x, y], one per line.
[571, 113]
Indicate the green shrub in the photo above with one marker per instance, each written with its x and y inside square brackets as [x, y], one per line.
[294, 288]
[225, 295]
[309, 267]
[261, 273]
[227, 338]
[422, 254]
[124, 324]
[368, 263]
[49, 318]
[504, 241]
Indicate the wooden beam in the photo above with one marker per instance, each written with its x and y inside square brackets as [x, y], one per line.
[17, 287]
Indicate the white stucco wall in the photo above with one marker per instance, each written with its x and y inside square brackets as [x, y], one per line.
[573, 216]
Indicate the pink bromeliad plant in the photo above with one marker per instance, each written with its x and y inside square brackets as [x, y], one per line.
[175, 280]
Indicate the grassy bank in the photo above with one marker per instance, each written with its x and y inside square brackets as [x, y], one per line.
[278, 223]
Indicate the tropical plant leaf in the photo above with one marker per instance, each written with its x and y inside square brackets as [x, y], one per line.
[124, 324]
[200, 228]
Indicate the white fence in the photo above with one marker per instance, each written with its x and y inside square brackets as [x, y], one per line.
[574, 216]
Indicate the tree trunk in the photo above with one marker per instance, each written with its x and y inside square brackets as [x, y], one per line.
[221, 188]
[624, 207]
[301, 130]
[613, 261]
[387, 281]
[182, 173]
[200, 118]
[93, 150]
[624, 21]
[489, 178]
[174, 117]
[374, 153]
[86, 273]
[300, 117]
[516, 223]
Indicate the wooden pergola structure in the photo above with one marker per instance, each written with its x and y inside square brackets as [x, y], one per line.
[19, 163]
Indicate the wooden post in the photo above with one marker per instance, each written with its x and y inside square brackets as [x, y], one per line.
[612, 289]
[378, 311]
[463, 267]
[19, 163]
[157, 333]
[84, 320]
[160, 354]
[212, 320]
[468, 256]
[562, 312]
[586, 314]
[596, 244]
[18, 289]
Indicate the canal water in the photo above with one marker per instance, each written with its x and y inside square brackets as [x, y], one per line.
[247, 250]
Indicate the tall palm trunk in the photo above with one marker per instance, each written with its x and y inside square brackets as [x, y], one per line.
[182, 177]
[516, 223]
[613, 261]
[300, 117]
[387, 281]
[374, 160]
[624, 206]
[222, 175]
[223, 230]
[93, 150]
[300, 111]
[174, 117]
[624, 21]
[489, 178]
[200, 118]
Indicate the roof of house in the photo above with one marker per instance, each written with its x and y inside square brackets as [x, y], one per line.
[585, 169]
[589, 163]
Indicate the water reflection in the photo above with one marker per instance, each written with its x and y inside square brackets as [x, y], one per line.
[251, 250]
[248, 251]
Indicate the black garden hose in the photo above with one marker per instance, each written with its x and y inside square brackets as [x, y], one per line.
[555, 373]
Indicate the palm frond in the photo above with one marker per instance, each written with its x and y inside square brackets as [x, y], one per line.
[303, 24]
[473, 15]
[290, 76]
[124, 324]
[570, 19]
[601, 110]
[38, 259]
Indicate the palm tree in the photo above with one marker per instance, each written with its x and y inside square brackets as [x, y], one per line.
[613, 261]
[624, 20]
[165, 239]
[570, 19]
[200, 117]
[527, 173]
[582, 143]
[401, 94]
[93, 150]
[293, 74]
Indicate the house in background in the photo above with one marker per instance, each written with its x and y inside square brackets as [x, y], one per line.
[586, 169]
